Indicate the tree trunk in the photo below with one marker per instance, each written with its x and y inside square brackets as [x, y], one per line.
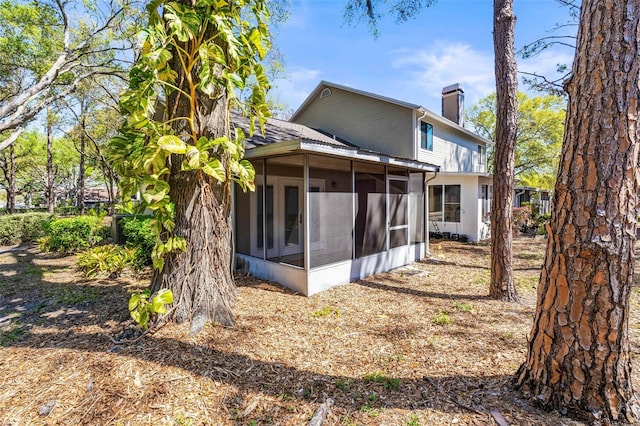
[502, 286]
[11, 191]
[51, 201]
[200, 278]
[578, 353]
[81, 169]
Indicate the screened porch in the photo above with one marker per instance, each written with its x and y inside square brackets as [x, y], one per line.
[317, 220]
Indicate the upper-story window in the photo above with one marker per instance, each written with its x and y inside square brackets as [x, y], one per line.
[481, 155]
[426, 136]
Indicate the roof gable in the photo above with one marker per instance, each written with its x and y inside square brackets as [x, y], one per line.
[420, 110]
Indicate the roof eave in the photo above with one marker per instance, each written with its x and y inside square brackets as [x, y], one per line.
[290, 147]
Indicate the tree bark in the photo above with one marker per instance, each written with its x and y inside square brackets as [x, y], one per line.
[81, 169]
[502, 286]
[578, 353]
[11, 192]
[200, 278]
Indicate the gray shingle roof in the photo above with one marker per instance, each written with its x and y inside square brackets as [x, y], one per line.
[282, 131]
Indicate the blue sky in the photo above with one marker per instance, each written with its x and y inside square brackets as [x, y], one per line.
[450, 42]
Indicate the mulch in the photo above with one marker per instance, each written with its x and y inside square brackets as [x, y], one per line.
[421, 345]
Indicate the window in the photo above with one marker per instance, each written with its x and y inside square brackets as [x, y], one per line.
[426, 136]
[444, 203]
[435, 203]
[452, 203]
[487, 195]
[481, 155]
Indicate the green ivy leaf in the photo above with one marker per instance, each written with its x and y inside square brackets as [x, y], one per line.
[165, 296]
[193, 157]
[216, 169]
[172, 144]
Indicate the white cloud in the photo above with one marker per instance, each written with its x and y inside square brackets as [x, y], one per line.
[429, 70]
[445, 63]
[296, 86]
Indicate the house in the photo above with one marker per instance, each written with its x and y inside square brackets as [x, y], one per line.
[539, 199]
[343, 188]
[459, 196]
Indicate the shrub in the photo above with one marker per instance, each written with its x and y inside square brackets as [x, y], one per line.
[108, 260]
[72, 234]
[22, 228]
[138, 234]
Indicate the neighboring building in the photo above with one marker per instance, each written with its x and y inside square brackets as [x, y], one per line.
[343, 189]
[539, 199]
[97, 197]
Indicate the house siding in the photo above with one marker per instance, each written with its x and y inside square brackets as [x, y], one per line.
[470, 207]
[452, 151]
[366, 122]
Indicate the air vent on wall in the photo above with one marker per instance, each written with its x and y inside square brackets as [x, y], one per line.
[326, 92]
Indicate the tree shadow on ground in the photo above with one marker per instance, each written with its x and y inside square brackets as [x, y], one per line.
[420, 293]
[38, 288]
[66, 306]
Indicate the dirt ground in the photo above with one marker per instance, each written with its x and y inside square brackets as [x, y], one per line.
[422, 345]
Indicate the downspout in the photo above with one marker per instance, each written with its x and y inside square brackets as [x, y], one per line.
[417, 144]
[517, 196]
[426, 210]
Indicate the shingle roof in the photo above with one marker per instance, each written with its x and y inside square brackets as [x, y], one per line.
[282, 131]
[284, 137]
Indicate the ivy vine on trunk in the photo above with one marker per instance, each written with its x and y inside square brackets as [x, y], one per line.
[177, 147]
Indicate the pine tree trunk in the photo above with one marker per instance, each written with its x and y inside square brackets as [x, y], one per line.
[502, 286]
[50, 194]
[578, 353]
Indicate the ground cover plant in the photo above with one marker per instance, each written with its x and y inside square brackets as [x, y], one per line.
[372, 346]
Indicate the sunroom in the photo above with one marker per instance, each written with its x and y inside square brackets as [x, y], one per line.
[325, 212]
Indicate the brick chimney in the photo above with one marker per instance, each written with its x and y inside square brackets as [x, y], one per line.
[453, 103]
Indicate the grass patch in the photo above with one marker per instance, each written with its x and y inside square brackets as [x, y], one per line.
[10, 336]
[342, 385]
[506, 335]
[441, 318]
[413, 420]
[76, 297]
[462, 306]
[369, 410]
[529, 282]
[389, 383]
[325, 312]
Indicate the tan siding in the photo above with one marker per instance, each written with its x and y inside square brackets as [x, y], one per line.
[368, 123]
[453, 152]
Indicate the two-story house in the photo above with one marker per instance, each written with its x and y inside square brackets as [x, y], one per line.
[459, 196]
[348, 187]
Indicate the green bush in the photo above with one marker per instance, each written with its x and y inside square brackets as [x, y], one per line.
[108, 260]
[72, 234]
[22, 228]
[138, 234]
